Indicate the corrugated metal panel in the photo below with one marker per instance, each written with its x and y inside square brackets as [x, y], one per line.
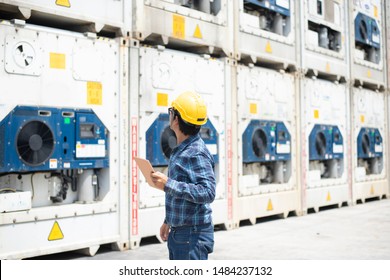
[49, 68]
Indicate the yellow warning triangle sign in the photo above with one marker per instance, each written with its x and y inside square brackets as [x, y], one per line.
[328, 198]
[268, 47]
[64, 3]
[197, 32]
[55, 233]
[327, 67]
[270, 206]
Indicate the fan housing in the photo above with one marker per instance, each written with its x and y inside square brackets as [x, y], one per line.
[35, 143]
[43, 138]
[325, 143]
[266, 141]
[369, 143]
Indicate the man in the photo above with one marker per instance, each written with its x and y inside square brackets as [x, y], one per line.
[190, 185]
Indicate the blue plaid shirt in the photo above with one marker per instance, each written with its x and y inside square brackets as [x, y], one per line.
[191, 184]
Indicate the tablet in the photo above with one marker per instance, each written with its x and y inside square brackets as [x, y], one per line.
[146, 169]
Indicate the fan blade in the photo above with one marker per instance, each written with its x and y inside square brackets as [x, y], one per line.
[33, 127]
[366, 144]
[23, 142]
[47, 135]
[35, 157]
[35, 142]
[45, 152]
[48, 142]
[24, 151]
[168, 141]
[259, 143]
[20, 49]
[41, 128]
[42, 155]
[320, 144]
[363, 30]
[23, 137]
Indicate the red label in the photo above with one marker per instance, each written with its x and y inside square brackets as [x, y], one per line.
[134, 176]
[230, 172]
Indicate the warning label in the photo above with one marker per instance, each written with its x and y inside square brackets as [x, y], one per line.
[63, 3]
[55, 233]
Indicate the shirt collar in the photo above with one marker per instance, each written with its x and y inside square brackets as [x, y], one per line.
[186, 142]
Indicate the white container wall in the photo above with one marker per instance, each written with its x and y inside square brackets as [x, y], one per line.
[265, 32]
[109, 16]
[202, 26]
[59, 135]
[367, 43]
[369, 145]
[325, 144]
[266, 145]
[323, 32]
[164, 74]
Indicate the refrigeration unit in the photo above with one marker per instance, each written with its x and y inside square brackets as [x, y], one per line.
[273, 16]
[367, 43]
[367, 37]
[267, 151]
[266, 144]
[59, 161]
[369, 153]
[209, 7]
[326, 151]
[265, 32]
[160, 141]
[45, 139]
[370, 150]
[202, 26]
[324, 144]
[164, 74]
[323, 37]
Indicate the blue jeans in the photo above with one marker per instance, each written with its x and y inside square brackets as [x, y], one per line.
[191, 242]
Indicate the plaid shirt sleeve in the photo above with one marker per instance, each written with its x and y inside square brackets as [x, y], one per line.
[199, 186]
[191, 184]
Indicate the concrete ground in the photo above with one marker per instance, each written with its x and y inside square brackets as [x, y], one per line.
[360, 232]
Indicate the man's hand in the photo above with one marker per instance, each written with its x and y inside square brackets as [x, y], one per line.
[164, 232]
[159, 179]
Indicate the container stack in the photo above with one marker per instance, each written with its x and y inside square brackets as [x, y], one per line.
[265, 93]
[324, 104]
[61, 172]
[368, 95]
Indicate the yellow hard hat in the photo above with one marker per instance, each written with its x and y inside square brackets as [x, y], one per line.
[191, 107]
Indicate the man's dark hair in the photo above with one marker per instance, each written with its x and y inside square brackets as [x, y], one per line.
[185, 127]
